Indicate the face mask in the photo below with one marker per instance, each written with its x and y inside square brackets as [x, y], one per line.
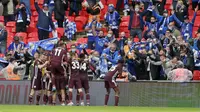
[109, 35]
[129, 42]
[112, 51]
[152, 22]
[137, 9]
[165, 14]
[170, 28]
[73, 50]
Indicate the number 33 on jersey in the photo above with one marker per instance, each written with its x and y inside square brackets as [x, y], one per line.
[79, 66]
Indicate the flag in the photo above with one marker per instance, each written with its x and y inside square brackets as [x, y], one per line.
[47, 44]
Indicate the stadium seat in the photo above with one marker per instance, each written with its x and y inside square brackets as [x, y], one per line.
[35, 14]
[33, 35]
[125, 19]
[33, 8]
[114, 2]
[124, 27]
[196, 75]
[60, 31]
[23, 35]
[1, 19]
[36, 19]
[71, 18]
[35, 39]
[169, 2]
[136, 39]
[82, 40]
[104, 2]
[103, 12]
[40, 2]
[10, 38]
[11, 24]
[80, 23]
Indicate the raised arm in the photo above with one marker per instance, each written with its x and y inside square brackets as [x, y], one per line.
[195, 14]
[37, 6]
[176, 19]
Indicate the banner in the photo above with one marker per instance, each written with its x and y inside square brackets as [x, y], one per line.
[144, 93]
[47, 44]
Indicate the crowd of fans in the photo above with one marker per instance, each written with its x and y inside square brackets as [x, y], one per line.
[158, 44]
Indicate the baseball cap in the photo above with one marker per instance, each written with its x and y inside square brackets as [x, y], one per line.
[45, 5]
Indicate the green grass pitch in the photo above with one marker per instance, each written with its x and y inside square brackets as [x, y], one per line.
[22, 108]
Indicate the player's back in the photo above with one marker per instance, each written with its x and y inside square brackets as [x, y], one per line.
[114, 71]
[58, 55]
[74, 68]
[84, 65]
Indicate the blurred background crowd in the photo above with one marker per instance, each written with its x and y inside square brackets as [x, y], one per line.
[158, 39]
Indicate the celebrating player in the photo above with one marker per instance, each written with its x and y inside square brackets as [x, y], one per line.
[59, 56]
[36, 83]
[84, 78]
[110, 82]
[75, 66]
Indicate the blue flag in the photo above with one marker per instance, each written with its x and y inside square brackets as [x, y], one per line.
[47, 44]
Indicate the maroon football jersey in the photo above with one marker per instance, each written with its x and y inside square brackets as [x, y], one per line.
[37, 72]
[114, 72]
[74, 68]
[84, 69]
[59, 55]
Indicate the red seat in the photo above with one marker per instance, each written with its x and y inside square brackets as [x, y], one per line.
[10, 38]
[103, 12]
[124, 27]
[36, 19]
[23, 35]
[1, 19]
[169, 2]
[11, 24]
[35, 14]
[71, 18]
[136, 39]
[34, 39]
[33, 35]
[196, 75]
[80, 23]
[114, 2]
[60, 31]
[104, 2]
[40, 2]
[33, 8]
[82, 40]
[125, 19]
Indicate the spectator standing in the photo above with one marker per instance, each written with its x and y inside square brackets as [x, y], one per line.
[136, 24]
[172, 27]
[16, 45]
[111, 39]
[186, 26]
[9, 10]
[59, 11]
[100, 42]
[70, 28]
[92, 28]
[45, 23]
[3, 39]
[112, 19]
[122, 42]
[75, 6]
[28, 5]
[51, 4]
[163, 20]
[22, 18]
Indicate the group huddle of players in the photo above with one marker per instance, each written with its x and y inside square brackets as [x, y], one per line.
[61, 71]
